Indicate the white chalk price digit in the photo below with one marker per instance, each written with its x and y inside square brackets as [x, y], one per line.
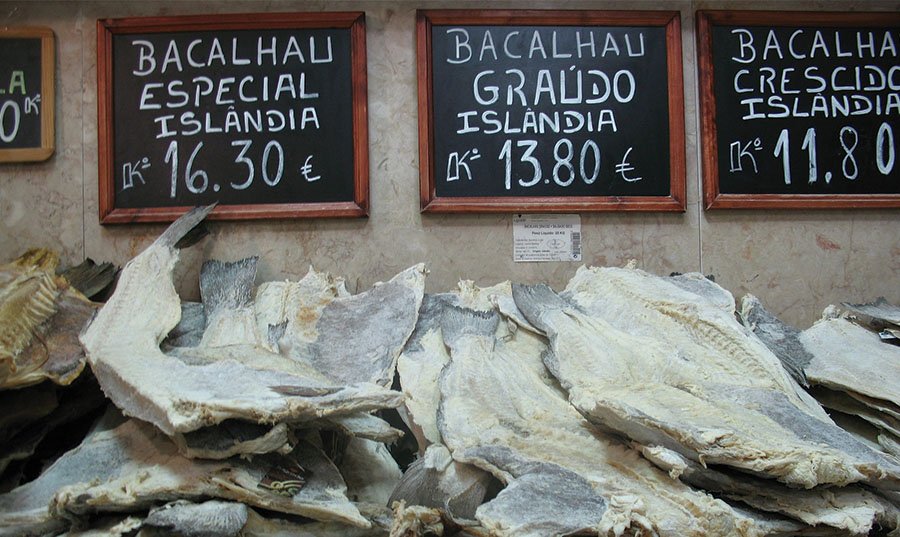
[172, 158]
[809, 144]
[242, 159]
[595, 150]
[9, 107]
[190, 178]
[563, 161]
[848, 164]
[783, 150]
[265, 163]
[884, 140]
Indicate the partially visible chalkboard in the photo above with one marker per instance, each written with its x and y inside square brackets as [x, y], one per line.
[800, 110]
[27, 67]
[264, 114]
[550, 111]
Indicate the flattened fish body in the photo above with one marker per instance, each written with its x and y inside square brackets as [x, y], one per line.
[498, 414]
[708, 390]
[180, 395]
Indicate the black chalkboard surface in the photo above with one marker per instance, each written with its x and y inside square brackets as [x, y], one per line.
[264, 114]
[525, 111]
[27, 69]
[800, 110]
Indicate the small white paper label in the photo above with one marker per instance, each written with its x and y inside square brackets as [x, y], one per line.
[546, 237]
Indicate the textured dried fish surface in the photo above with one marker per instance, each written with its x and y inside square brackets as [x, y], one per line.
[709, 390]
[41, 316]
[847, 357]
[425, 354]
[848, 510]
[435, 480]
[370, 472]
[880, 309]
[499, 414]
[349, 338]
[123, 341]
[781, 338]
[133, 465]
[207, 519]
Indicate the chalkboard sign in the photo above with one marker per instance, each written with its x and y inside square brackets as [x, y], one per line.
[800, 110]
[27, 66]
[550, 111]
[264, 114]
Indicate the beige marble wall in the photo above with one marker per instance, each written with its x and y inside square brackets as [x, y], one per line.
[819, 257]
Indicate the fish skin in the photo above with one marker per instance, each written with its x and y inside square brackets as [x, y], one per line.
[781, 338]
[132, 466]
[123, 340]
[498, 413]
[41, 316]
[684, 397]
[852, 510]
[208, 519]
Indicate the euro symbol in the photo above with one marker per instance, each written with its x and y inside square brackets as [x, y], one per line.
[623, 167]
[306, 169]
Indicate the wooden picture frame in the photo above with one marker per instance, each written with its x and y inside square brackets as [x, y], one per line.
[354, 205]
[712, 158]
[432, 202]
[45, 143]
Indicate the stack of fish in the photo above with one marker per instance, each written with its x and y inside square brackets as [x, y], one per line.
[627, 404]
[849, 360]
[44, 395]
[269, 406]
[555, 395]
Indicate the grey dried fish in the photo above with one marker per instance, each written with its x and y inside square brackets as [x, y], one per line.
[709, 390]
[179, 395]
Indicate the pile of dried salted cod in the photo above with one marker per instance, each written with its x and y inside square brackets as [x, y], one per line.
[602, 407]
[262, 426]
[847, 361]
[44, 396]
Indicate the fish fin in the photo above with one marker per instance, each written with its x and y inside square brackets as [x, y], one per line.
[535, 300]
[226, 285]
[457, 323]
[89, 278]
[181, 228]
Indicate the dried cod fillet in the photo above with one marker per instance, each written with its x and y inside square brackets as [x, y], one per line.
[435, 480]
[212, 518]
[847, 357]
[880, 309]
[123, 341]
[132, 466]
[781, 338]
[349, 338]
[419, 368]
[708, 390]
[841, 366]
[848, 510]
[497, 413]
[28, 293]
[370, 472]
[41, 316]
[425, 355]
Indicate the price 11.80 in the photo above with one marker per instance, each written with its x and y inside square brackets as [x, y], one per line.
[883, 156]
